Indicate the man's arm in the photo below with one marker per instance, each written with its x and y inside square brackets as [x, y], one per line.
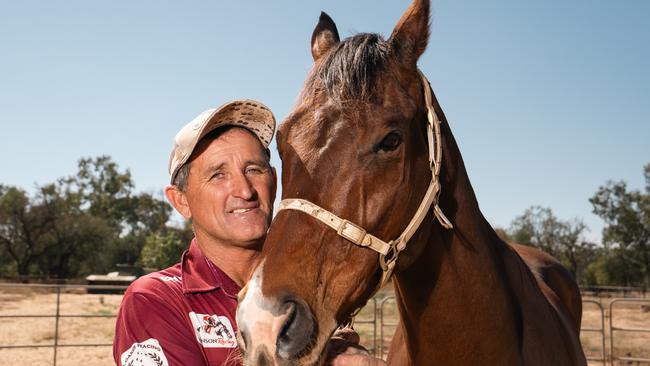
[150, 332]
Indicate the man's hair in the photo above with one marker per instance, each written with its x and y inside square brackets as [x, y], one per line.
[180, 180]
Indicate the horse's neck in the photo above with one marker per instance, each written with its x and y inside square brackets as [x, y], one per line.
[451, 298]
[467, 298]
[455, 292]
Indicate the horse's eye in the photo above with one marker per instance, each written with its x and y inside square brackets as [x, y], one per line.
[390, 142]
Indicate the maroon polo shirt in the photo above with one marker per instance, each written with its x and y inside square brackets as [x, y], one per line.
[182, 315]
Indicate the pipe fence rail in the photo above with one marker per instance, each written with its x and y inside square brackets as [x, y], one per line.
[614, 291]
[603, 330]
[383, 351]
[599, 330]
[57, 315]
[380, 315]
[615, 330]
[363, 320]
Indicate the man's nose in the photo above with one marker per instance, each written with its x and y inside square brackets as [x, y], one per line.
[242, 187]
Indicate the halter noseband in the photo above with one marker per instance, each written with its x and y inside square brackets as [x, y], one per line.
[388, 251]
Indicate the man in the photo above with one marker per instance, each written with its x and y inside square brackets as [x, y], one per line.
[221, 179]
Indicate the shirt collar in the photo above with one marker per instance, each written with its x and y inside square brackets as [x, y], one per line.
[201, 275]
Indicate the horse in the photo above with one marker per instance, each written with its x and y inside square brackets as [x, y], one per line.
[366, 147]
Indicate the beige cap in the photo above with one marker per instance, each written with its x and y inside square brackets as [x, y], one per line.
[250, 114]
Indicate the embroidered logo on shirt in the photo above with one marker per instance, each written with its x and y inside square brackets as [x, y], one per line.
[171, 279]
[213, 331]
[147, 353]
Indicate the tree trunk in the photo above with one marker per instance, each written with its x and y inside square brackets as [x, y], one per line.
[23, 268]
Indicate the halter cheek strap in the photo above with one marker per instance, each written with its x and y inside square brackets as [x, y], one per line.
[388, 251]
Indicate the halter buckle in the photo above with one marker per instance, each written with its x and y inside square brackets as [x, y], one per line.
[351, 237]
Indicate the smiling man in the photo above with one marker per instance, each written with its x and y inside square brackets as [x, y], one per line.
[221, 179]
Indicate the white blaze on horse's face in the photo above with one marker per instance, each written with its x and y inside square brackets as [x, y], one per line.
[273, 331]
[254, 317]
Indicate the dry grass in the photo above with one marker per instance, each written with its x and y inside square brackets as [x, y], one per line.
[626, 314]
[41, 331]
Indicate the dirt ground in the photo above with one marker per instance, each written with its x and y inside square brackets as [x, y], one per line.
[40, 331]
[16, 329]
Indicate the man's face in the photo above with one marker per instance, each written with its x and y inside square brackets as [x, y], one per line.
[231, 189]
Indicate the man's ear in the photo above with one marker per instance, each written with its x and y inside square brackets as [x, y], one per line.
[178, 199]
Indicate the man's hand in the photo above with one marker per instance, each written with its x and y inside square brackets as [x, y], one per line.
[344, 350]
[356, 357]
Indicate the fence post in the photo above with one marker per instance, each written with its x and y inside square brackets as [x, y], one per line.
[56, 321]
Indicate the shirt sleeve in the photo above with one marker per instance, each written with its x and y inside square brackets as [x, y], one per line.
[150, 332]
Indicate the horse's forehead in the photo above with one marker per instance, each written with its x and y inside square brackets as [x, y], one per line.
[316, 112]
[311, 134]
[318, 120]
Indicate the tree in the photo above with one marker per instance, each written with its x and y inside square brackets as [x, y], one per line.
[564, 240]
[77, 240]
[610, 266]
[627, 223]
[79, 224]
[103, 190]
[163, 249]
[49, 234]
[106, 192]
[23, 228]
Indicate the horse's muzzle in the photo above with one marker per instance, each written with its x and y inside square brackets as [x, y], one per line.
[274, 330]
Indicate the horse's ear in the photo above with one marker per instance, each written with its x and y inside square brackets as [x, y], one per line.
[411, 34]
[325, 36]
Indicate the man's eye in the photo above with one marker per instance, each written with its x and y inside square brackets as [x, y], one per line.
[390, 142]
[254, 170]
[218, 175]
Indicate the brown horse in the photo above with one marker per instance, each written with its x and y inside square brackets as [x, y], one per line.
[356, 145]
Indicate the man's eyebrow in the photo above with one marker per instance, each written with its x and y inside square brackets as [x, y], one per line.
[257, 162]
[215, 168]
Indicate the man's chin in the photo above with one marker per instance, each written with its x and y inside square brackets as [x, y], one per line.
[251, 238]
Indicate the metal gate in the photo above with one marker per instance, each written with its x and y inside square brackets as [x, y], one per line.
[613, 331]
[599, 330]
[387, 325]
[627, 353]
[55, 345]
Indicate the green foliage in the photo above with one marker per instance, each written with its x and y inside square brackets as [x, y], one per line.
[77, 239]
[24, 228]
[627, 229]
[88, 222]
[104, 190]
[81, 224]
[564, 240]
[163, 249]
[611, 266]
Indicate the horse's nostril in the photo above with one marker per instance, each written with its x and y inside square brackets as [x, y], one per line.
[284, 335]
[296, 332]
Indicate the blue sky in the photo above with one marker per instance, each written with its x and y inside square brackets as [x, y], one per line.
[547, 99]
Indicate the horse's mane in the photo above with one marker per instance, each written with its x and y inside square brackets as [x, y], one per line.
[349, 71]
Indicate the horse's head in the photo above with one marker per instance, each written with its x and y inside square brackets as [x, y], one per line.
[355, 145]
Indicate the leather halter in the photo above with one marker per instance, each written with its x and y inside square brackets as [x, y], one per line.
[388, 251]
